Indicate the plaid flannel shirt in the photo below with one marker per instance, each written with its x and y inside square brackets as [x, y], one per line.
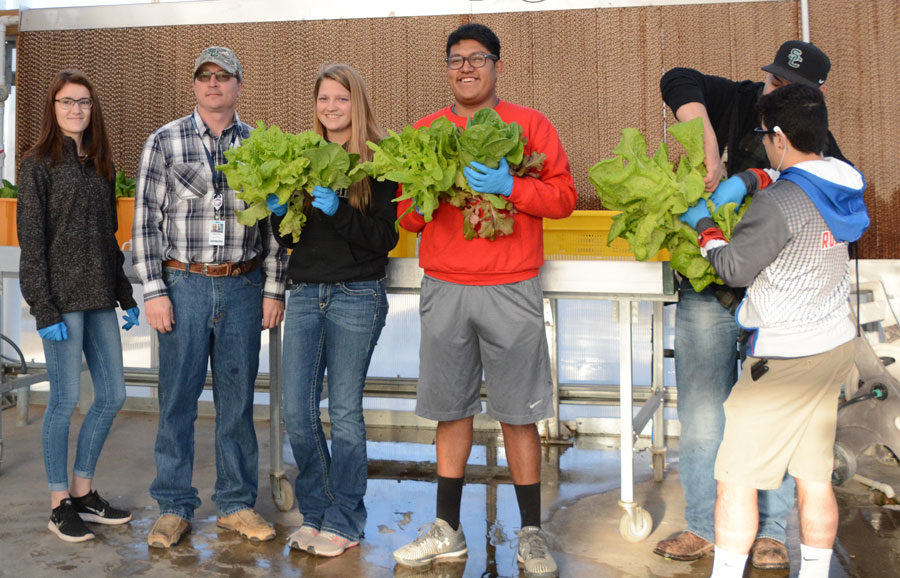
[174, 206]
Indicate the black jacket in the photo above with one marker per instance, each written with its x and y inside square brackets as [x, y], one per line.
[731, 107]
[66, 220]
[348, 246]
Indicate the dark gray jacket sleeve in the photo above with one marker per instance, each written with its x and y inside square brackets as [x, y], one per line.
[757, 240]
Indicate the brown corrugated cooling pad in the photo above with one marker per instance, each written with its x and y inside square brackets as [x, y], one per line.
[592, 72]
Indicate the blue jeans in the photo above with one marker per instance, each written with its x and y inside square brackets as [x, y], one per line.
[97, 334]
[706, 337]
[333, 326]
[217, 319]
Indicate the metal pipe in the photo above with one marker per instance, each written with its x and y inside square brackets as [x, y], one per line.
[4, 88]
[804, 20]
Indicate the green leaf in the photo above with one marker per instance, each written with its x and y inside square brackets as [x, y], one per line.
[274, 162]
[652, 195]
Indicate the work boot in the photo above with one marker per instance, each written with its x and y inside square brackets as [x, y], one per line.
[684, 546]
[167, 531]
[769, 554]
[248, 524]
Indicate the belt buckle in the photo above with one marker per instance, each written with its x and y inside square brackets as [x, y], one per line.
[203, 270]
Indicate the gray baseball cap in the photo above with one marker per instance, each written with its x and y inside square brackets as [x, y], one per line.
[222, 56]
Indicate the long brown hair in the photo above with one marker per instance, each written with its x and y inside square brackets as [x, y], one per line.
[363, 126]
[94, 141]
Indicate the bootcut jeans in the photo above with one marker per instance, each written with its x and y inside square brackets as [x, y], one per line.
[332, 326]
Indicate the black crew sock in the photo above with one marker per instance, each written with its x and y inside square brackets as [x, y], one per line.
[529, 497]
[449, 497]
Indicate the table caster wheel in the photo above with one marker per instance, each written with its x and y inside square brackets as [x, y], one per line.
[283, 494]
[635, 526]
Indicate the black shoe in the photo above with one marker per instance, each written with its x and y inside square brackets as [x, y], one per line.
[92, 508]
[65, 523]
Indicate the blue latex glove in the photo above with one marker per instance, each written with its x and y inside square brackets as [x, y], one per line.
[325, 199]
[483, 179]
[277, 208]
[693, 215]
[731, 190]
[131, 318]
[55, 332]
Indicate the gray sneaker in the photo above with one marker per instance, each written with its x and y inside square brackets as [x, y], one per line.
[437, 540]
[534, 554]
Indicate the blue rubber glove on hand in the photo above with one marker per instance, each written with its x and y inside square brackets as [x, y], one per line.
[55, 332]
[131, 318]
[325, 199]
[483, 179]
[693, 215]
[274, 206]
[731, 190]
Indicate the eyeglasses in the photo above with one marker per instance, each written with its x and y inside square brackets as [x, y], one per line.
[477, 60]
[68, 103]
[221, 76]
[760, 131]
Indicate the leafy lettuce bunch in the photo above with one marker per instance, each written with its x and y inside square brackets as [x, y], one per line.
[429, 163]
[425, 161]
[651, 195]
[288, 165]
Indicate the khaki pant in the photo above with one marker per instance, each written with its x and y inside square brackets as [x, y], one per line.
[785, 421]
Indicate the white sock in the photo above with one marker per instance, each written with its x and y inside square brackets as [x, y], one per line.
[728, 564]
[814, 562]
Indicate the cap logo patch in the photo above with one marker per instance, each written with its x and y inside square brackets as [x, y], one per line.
[795, 57]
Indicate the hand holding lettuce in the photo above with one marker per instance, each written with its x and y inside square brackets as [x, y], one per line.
[430, 162]
[289, 166]
[652, 195]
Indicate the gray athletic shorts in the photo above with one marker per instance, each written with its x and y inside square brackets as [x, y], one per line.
[495, 328]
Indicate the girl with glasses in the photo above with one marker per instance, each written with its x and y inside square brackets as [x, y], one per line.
[72, 278]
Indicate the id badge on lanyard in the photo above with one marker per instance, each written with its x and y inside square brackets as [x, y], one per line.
[216, 225]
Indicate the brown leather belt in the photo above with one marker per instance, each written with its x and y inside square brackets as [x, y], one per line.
[214, 269]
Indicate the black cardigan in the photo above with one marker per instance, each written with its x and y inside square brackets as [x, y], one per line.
[66, 220]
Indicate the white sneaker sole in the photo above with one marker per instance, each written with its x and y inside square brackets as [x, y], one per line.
[52, 527]
[101, 520]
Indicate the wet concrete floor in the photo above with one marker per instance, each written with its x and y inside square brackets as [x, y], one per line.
[580, 497]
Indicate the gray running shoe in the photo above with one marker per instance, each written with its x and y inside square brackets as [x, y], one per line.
[437, 540]
[534, 554]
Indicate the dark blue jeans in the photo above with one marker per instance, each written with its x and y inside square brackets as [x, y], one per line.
[218, 320]
[333, 326]
[706, 337]
[96, 333]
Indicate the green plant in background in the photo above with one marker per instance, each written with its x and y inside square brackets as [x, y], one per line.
[651, 195]
[9, 190]
[124, 185]
[290, 166]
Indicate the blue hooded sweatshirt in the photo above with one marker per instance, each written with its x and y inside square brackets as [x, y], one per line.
[841, 205]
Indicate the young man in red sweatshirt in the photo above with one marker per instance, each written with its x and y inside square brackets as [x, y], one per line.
[482, 310]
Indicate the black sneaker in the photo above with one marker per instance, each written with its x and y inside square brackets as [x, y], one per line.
[92, 508]
[65, 523]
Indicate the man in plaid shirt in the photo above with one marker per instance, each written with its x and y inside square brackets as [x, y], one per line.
[210, 286]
